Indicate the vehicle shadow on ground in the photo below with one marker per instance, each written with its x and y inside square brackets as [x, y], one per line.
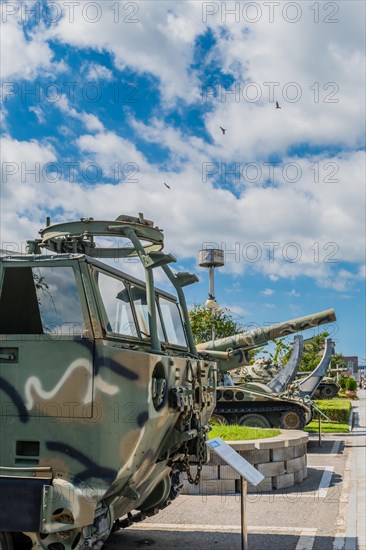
[326, 446]
[170, 540]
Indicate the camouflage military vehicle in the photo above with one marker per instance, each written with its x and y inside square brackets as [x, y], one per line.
[279, 403]
[327, 389]
[104, 396]
[262, 370]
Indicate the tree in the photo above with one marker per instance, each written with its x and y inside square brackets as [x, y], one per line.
[281, 352]
[203, 320]
[313, 350]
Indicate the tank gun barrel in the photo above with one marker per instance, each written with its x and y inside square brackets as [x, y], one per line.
[251, 339]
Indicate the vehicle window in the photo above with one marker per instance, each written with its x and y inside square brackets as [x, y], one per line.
[58, 300]
[40, 300]
[172, 322]
[117, 305]
[139, 299]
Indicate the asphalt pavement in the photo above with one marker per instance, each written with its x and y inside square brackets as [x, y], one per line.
[324, 512]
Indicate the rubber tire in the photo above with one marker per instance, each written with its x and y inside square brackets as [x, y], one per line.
[6, 541]
[254, 420]
[218, 419]
[288, 421]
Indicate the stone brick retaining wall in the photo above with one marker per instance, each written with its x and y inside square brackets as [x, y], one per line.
[281, 459]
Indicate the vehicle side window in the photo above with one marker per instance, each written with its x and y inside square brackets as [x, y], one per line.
[40, 300]
[139, 299]
[117, 305]
[58, 300]
[172, 322]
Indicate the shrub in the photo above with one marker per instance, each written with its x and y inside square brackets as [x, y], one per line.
[342, 382]
[351, 384]
[337, 410]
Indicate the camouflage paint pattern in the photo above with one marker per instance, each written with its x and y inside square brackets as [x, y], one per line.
[93, 424]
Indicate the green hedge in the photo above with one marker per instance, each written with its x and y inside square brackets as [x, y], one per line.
[337, 410]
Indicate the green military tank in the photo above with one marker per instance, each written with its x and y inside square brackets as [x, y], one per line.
[105, 398]
[279, 402]
[327, 389]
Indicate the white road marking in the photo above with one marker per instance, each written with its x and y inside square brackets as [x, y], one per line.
[324, 482]
[338, 543]
[306, 540]
[336, 446]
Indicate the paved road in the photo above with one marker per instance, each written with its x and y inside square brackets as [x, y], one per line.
[325, 512]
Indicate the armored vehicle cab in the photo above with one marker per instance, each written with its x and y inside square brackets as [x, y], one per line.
[103, 395]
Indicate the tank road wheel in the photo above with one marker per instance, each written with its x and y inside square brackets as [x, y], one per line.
[6, 541]
[218, 419]
[254, 420]
[328, 392]
[292, 420]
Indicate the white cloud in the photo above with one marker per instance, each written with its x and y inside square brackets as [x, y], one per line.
[90, 121]
[237, 312]
[22, 57]
[153, 40]
[37, 110]
[267, 292]
[294, 293]
[98, 72]
[229, 222]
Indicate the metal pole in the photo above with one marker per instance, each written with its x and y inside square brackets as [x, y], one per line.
[212, 296]
[244, 526]
[320, 431]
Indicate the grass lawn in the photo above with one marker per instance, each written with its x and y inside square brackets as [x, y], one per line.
[327, 427]
[238, 433]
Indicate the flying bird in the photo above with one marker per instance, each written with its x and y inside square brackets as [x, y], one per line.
[166, 185]
[223, 130]
[277, 105]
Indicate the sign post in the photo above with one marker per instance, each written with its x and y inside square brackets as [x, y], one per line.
[247, 473]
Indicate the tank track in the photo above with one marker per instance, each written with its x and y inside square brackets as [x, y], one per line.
[262, 409]
[130, 519]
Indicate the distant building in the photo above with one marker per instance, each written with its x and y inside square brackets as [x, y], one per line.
[362, 371]
[351, 364]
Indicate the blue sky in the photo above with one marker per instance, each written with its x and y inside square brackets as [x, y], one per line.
[102, 102]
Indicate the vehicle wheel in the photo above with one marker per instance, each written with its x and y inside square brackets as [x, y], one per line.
[328, 392]
[6, 541]
[218, 419]
[292, 420]
[256, 420]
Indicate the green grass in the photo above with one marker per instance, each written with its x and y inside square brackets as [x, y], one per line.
[327, 427]
[238, 433]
